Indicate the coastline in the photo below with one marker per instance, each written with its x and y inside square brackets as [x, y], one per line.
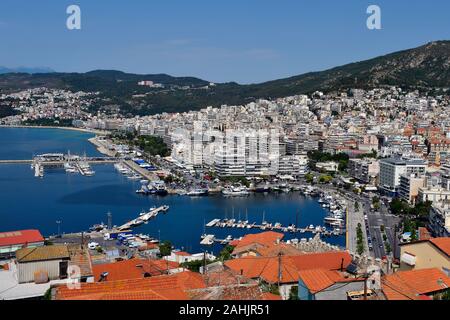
[99, 146]
[94, 131]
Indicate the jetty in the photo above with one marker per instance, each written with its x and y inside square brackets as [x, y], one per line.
[207, 239]
[143, 218]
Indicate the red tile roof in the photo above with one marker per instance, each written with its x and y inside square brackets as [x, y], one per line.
[21, 237]
[424, 234]
[267, 268]
[168, 287]
[442, 243]
[319, 279]
[182, 253]
[132, 269]
[264, 238]
[410, 285]
[327, 260]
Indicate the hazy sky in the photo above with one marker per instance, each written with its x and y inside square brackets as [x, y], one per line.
[233, 40]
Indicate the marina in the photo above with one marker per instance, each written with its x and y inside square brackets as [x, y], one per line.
[80, 202]
[266, 226]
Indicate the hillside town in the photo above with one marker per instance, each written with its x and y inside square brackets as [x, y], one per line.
[382, 155]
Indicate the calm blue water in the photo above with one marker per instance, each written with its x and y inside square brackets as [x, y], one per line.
[80, 202]
[23, 143]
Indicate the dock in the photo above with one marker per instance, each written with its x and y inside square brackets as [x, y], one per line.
[208, 240]
[212, 223]
[218, 223]
[143, 218]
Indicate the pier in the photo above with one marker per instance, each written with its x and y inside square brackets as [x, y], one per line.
[143, 218]
[218, 223]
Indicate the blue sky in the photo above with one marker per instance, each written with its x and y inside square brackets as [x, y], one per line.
[235, 40]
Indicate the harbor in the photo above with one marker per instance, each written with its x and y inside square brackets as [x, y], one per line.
[266, 226]
[79, 202]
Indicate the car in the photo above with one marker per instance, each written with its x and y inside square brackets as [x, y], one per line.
[93, 245]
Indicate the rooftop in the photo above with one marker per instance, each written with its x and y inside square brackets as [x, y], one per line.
[133, 269]
[166, 287]
[20, 237]
[411, 285]
[42, 253]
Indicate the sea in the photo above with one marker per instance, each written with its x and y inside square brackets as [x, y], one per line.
[78, 202]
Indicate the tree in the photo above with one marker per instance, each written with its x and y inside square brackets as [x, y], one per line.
[293, 295]
[165, 249]
[225, 254]
[356, 206]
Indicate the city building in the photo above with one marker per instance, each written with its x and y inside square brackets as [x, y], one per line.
[12, 241]
[439, 219]
[364, 170]
[392, 168]
[409, 187]
[423, 254]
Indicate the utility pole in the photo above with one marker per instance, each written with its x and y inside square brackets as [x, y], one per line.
[204, 261]
[109, 214]
[279, 269]
[58, 222]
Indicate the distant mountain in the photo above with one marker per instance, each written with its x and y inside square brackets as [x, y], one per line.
[4, 70]
[425, 66]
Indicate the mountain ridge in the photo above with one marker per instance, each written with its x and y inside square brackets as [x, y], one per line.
[425, 66]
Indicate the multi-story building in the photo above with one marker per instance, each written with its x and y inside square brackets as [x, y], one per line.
[392, 168]
[364, 170]
[439, 219]
[409, 187]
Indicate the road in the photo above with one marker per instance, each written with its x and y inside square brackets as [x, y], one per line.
[355, 217]
[379, 218]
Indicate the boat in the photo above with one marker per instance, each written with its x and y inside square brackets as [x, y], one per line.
[98, 227]
[198, 193]
[70, 168]
[235, 192]
[143, 190]
[265, 189]
[161, 191]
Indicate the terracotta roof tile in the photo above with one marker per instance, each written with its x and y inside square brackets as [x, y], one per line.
[264, 238]
[267, 268]
[442, 243]
[317, 279]
[167, 287]
[410, 285]
[20, 237]
[132, 269]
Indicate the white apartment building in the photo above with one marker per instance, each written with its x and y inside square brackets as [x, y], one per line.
[392, 168]
[433, 194]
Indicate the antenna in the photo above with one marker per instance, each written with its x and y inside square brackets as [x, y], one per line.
[109, 215]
